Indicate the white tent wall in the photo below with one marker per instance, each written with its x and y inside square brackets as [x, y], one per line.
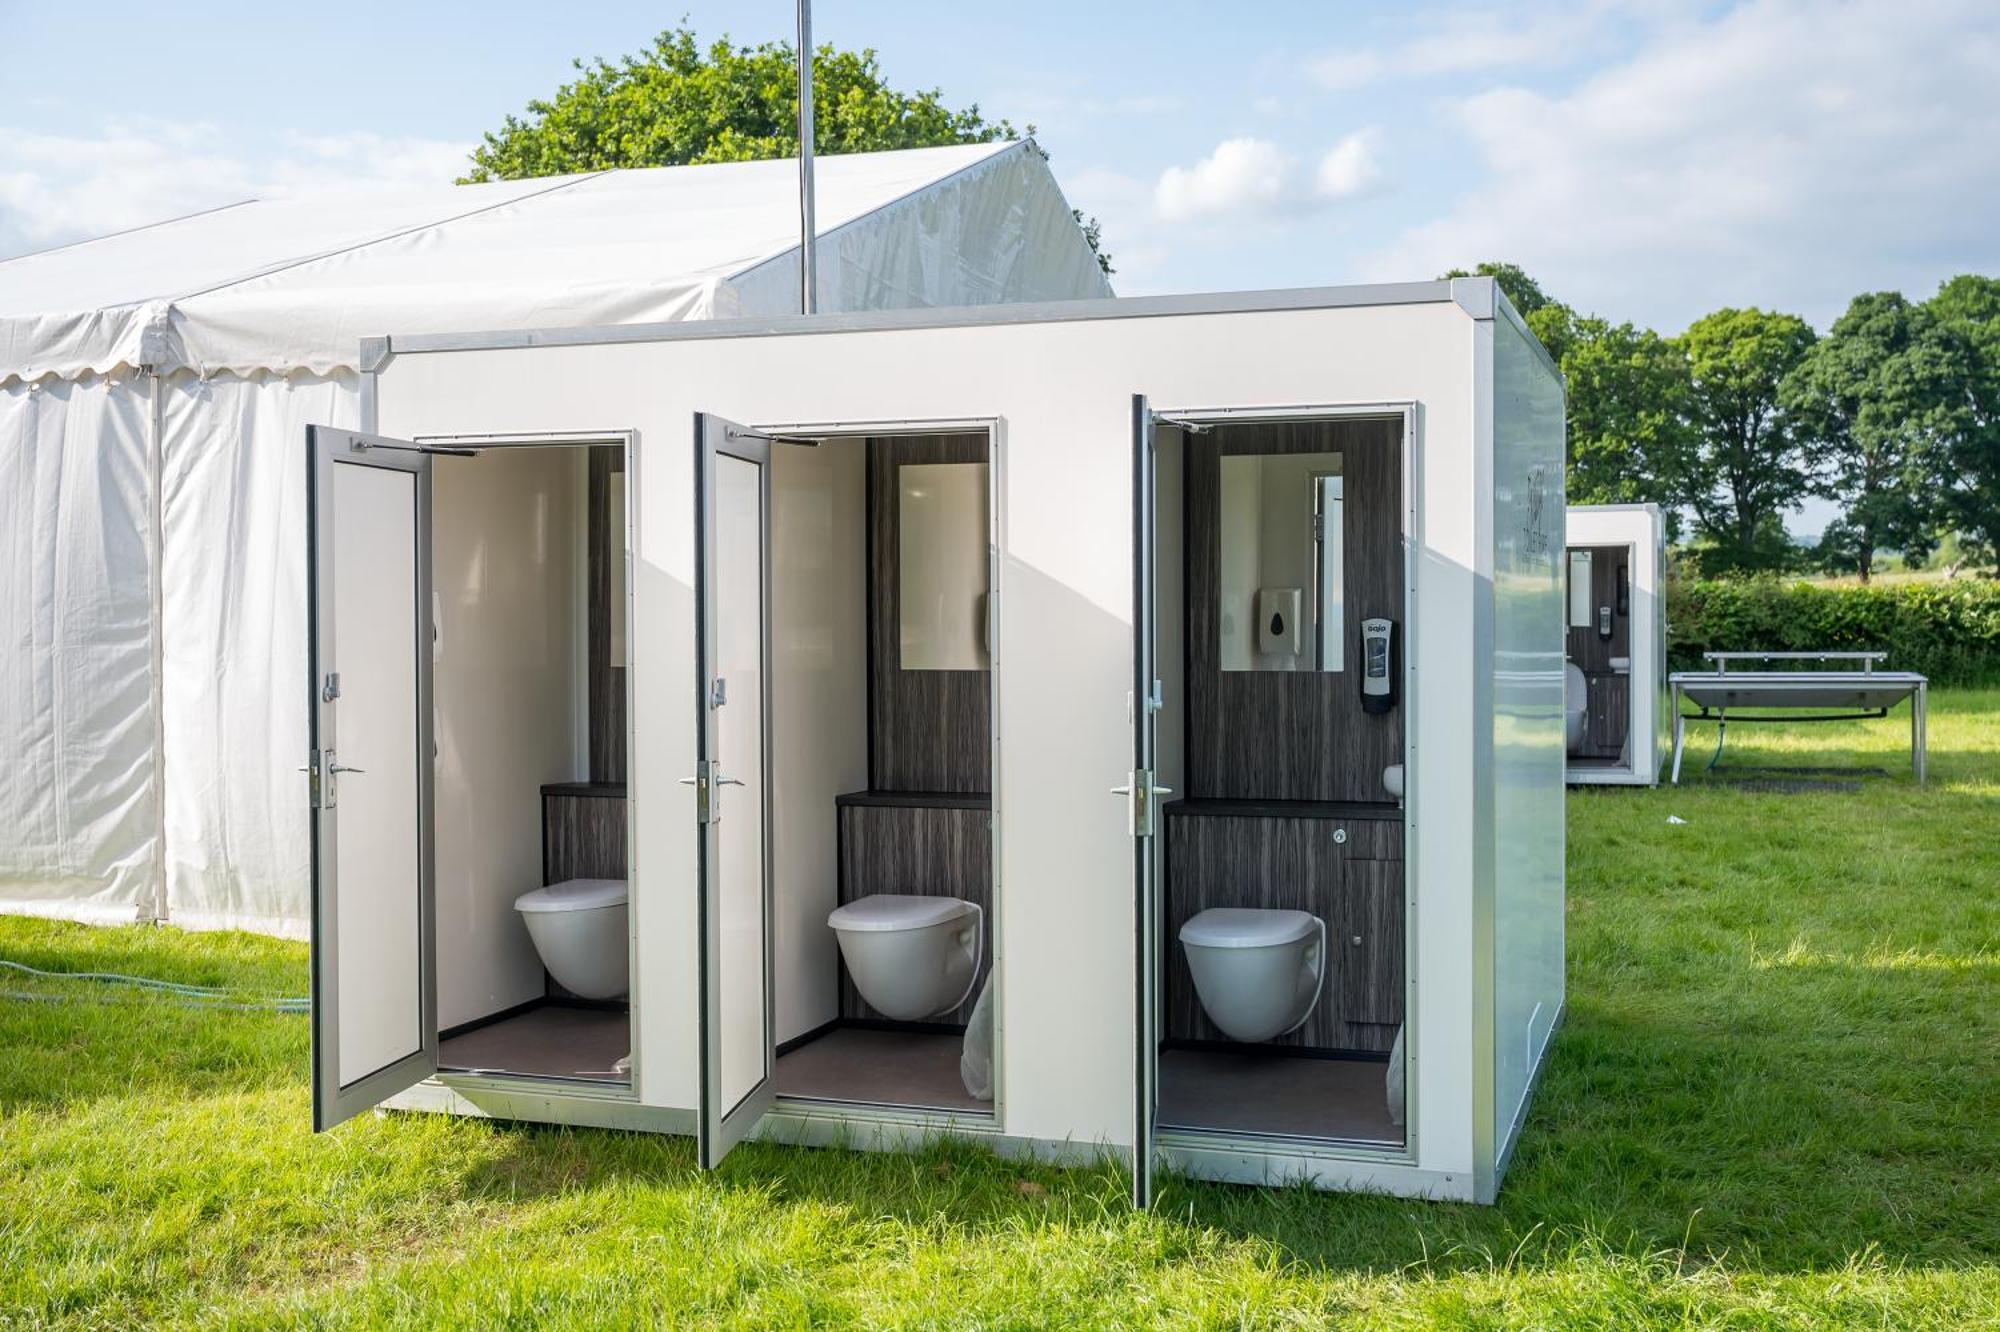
[78, 817]
[254, 315]
[233, 598]
[999, 230]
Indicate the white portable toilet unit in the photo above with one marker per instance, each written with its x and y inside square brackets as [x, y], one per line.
[1126, 726]
[1616, 724]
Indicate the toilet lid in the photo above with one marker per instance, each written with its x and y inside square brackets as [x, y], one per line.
[573, 895]
[897, 911]
[1247, 927]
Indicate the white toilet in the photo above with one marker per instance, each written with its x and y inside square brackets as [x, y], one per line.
[911, 957]
[579, 929]
[1257, 971]
[1576, 706]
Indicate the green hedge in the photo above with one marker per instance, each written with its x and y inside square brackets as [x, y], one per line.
[1950, 631]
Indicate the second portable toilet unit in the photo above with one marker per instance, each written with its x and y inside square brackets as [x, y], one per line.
[1128, 726]
[1616, 727]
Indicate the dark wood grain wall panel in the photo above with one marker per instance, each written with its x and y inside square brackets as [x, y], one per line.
[1294, 735]
[927, 730]
[1609, 718]
[1368, 962]
[927, 850]
[1591, 653]
[583, 836]
[1296, 864]
[1609, 695]
[604, 537]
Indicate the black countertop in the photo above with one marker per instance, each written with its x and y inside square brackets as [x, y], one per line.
[605, 790]
[917, 799]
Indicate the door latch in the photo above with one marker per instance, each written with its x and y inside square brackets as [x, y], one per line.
[1143, 801]
[708, 783]
[319, 778]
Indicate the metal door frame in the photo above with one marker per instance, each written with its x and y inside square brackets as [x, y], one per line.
[333, 1102]
[718, 1127]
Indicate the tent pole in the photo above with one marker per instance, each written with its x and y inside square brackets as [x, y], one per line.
[808, 261]
[156, 626]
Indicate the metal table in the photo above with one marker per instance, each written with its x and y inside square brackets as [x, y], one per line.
[1853, 694]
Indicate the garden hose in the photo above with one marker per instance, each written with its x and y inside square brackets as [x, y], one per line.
[189, 996]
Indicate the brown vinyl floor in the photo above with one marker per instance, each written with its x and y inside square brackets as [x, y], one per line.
[902, 1068]
[1253, 1092]
[549, 1042]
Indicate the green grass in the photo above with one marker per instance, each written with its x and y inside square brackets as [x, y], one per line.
[1776, 1103]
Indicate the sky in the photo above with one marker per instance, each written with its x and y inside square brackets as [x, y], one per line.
[1644, 159]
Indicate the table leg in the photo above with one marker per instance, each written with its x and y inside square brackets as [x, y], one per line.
[1920, 733]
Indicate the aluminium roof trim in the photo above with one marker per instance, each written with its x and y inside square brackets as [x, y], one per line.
[964, 316]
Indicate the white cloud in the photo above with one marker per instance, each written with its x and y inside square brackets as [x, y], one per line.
[56, 188]
[1471, 42]
[1786, 153]
[1338, 71]
[1351, 168]
[1246, 175]
[1252, 177]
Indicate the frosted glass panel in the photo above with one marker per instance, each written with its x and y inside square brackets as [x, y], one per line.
[1282, 525]
[941, 518]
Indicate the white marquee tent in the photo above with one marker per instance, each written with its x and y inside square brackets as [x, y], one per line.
[154, 389]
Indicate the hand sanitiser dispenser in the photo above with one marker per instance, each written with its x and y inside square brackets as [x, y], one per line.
[1378, 665]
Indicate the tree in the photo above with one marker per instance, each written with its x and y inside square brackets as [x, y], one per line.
[1629, 392]
[1871, 399]
[1968, 309]
[1627, 396]
[675, 103]
[1746, 466]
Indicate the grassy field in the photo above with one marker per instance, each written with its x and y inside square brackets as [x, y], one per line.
[1776, 1104]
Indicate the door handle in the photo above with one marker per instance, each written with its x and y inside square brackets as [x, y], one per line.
[342, 767]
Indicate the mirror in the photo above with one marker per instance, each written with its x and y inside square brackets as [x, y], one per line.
[942, 580]
[1581, 613]
[1283, 589]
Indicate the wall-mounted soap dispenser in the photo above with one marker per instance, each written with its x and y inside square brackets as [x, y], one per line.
[1378, 664]
[1278, 621]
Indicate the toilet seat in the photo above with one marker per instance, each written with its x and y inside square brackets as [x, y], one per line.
[1247, 927]
[897, 911]
[573, 895]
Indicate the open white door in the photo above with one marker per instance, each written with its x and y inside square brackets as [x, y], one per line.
[374, 975]
[732, 596]
[1143, 792]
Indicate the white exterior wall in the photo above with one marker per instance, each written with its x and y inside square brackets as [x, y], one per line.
[1062, 394]
[1643, 528]
[1526, 726]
